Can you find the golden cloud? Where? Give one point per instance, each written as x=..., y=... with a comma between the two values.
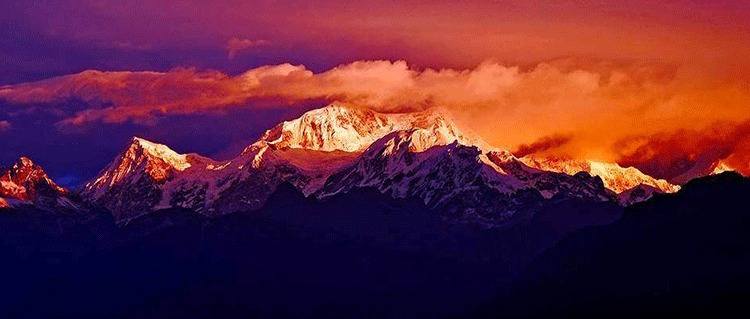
x=592, y=105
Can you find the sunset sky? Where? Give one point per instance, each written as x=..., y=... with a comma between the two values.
x=658, y=85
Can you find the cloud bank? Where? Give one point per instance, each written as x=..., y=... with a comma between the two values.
x=562, y=107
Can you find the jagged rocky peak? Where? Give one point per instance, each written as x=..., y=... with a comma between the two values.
x=341, y=127
x=132, y=184
x=615, y=177
x=141, y=156
x=27, y=181
x=142, y=147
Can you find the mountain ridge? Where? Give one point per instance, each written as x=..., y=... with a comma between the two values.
x=340, y=147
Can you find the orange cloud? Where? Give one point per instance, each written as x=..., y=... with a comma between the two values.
x=593, y=104
x=237, y=45
x=670, y=154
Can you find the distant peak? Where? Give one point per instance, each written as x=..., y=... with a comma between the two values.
x=25, y=180
x=614, y=176
x=24, y=162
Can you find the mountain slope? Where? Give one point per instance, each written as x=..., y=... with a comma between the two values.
x=245, y=182
x=433, y=166
x=461, y=181
x=552, y=184
x=131, y=185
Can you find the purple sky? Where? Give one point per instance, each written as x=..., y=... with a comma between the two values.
x=41, y=39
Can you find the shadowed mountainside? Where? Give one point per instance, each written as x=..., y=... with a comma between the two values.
x=680, y=254
x=360, y=254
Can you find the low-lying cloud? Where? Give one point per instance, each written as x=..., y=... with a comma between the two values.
x=670, y=154
x=561, y=107
x=543, y=144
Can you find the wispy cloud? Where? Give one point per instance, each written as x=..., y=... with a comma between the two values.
x=4, y=126
x=237, y=45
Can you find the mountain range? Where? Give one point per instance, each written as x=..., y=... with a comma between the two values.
x=349, y=213
x=333, y=150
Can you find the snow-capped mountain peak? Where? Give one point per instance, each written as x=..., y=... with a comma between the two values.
x=435, y=166
x=331, y=128
x=615, y=177
x=135, y=182
x=340, y=127
x=414, y=140
x=161, y=151
x=157, y=161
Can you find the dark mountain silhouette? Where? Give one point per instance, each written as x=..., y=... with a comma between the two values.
x=681, y=254
x=373, y=246
x=359, y=254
